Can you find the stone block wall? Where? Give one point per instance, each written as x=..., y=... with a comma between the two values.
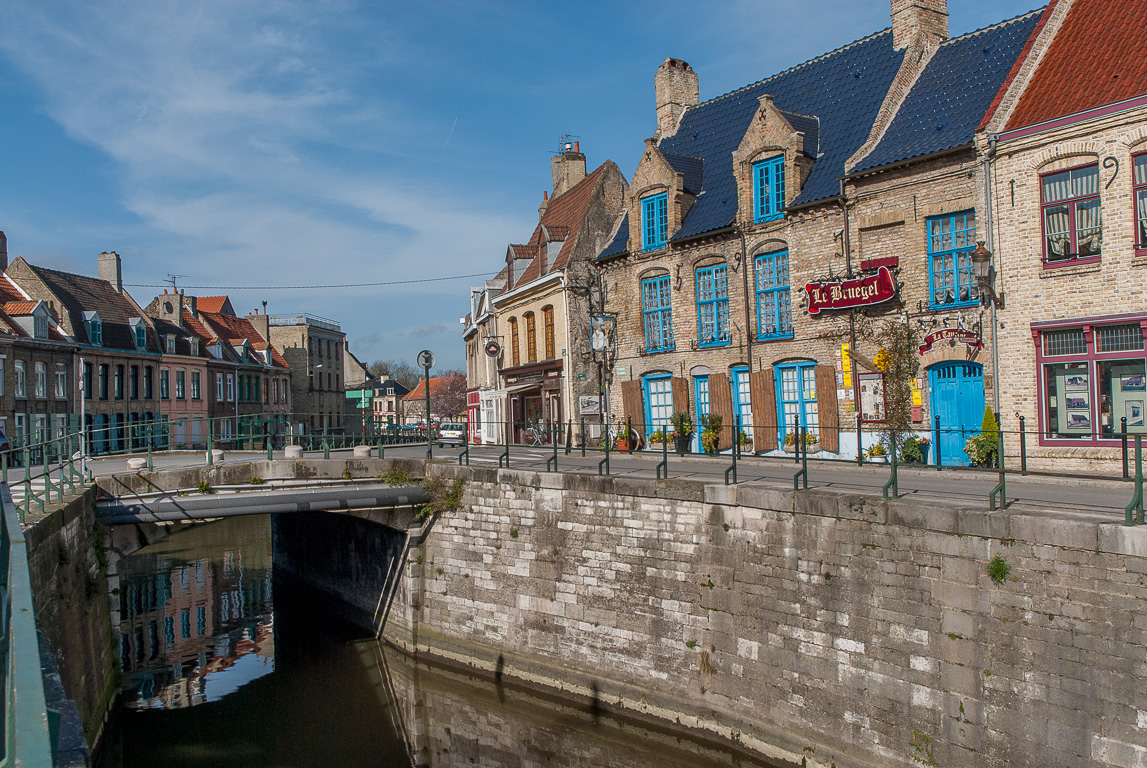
x=817, y=626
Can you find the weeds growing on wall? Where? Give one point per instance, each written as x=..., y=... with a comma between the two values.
x=444, y=497
x=203, y=487
x=395, y=475
x=999, y=569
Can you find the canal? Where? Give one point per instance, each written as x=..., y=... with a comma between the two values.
x=224, y=665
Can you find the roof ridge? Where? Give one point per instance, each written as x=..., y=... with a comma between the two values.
x=991, y=27
x=775, y=75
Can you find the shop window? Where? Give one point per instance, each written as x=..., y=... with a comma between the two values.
x=1140, y=193
x=774, y=304
x=769, y=189
x=1087, y=396
x=796, y=396
x=658, y=314
x=951, y=240
x=1072, y=227
x=654, y=221
x=712, y=306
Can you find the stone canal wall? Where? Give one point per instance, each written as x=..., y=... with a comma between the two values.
x=817, y=626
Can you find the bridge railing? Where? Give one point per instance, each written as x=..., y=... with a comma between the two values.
x=27, y=738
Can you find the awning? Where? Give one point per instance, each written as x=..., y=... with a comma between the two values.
x=521, y=387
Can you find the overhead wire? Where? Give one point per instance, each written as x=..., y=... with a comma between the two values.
x=305, y=287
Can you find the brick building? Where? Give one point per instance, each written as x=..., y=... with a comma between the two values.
x=1067, y=145
x=116, y=346
x=855, y=171
x=537, y=308
x=313, y=349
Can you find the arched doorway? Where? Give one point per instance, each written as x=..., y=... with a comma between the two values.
x=957, y=397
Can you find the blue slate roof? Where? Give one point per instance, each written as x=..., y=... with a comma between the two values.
x=810, y=127
x=952, y=94
x=620, y=242
x=690, y=167
x=843, y=89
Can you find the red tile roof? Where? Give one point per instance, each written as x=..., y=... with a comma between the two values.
x=1019, y=62
x=1098, y=57
x=18, y=308
x=8, y=292
x=419, y=392
x=214, y=304
x=236, y=330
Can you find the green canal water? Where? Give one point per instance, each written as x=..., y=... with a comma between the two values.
x=223, y=666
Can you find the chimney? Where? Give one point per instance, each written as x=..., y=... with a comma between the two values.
x=545, y=204
x=926, y=20
x=191, y=304
x=568, y=168
x=110, y=271
x=262, y=324
x=3, y=252
x=677, y=90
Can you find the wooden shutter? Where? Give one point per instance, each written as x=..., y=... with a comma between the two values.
x=680, y=394
x=721, y=403
x=632, y=404
x=764, y=396
x=828, y=414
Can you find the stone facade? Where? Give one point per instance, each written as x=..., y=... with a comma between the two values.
x=817, y=628
x=313, y=348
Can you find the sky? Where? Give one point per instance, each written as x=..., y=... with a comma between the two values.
x=254, y=145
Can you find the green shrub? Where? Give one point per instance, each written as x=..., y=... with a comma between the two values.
x=203, y=487
x=256, y=480
x=999, y=569
x=682, y=424
x=983, y=449
x=710, y=432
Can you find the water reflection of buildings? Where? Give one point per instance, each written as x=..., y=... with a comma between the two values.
x=183, y=620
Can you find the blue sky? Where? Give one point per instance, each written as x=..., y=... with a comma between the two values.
x=302, y=143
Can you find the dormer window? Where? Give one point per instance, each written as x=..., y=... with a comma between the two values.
x=217, y=350
x=169, y=343
x=193, y=344
x=40, y=327
x=769, y=189
x=654, y=221
x=94, y=327
x=138, y=332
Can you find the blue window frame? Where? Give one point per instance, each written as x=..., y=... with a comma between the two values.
x=796, y=396
x=701, y=397
x=658, y=402
x=769, y=188
x=774, y=305
x=951, y=240
x=655, y=305
x=712, y=306
x=742, y=399
x=654, y=221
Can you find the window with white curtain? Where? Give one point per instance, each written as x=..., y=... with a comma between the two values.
x=1072, y=224
x=1140, y=182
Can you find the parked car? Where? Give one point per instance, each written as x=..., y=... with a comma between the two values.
x=5, y=443
x=451, y=434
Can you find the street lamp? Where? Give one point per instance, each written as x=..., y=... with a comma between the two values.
x=982, y=269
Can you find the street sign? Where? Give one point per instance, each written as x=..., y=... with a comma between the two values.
x=493, y=348
x=426, y=359
x=579, y=377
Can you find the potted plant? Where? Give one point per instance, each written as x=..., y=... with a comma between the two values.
x=742, y=439
x=914, y=450
x=811, y=443
x=877, y=453
x=983, y=448
x=710, y=432
x=682, y=431
x=657, y=438
x=790, y=444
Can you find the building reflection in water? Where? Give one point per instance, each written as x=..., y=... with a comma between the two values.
x=196, y=619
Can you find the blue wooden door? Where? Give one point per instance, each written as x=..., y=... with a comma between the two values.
x=957, y=395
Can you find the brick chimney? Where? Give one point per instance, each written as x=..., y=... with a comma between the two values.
x=3, y=252
x=923, y=19
x=545, y=204
x=261, y=323
x=191, y=303
x=568, y=168
x=677, y=90
x=110, y=270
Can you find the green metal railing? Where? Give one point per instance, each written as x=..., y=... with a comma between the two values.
x=27, y=736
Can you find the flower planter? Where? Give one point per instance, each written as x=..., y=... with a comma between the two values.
x=790, y=447
x=681, y=443
x=814, y=448
x=877, y=459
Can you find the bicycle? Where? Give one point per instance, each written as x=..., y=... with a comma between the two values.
x=616, y=437
x=535, y=434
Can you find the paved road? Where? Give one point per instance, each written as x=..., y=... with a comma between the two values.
x=1077, y=496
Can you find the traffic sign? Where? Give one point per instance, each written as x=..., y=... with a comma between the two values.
x=426, y=359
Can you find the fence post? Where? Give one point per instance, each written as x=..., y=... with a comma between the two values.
x=893, y=480
x=736, y=427
x=465, y=442
x=1023, y=448
x=797, y=436
x=859, y=440
x=583, y=437
x=629, y=434
x=663, y=465
x=569, y=436
x=1123, y=440
x=1135, y=514
x=802, y=453
x=939, y=458
x=326, y=436
x=554, y=458
x=505, y=455
x=210, y=440
x=606, y=440
x=1001, y=487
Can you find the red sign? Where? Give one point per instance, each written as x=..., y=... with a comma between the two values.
x=846, y=294
x=953, y=334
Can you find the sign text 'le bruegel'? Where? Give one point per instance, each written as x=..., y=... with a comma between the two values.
x=855, y=292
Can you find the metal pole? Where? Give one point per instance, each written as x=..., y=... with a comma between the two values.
x=797, y=436
x=892, y=479
x=937, y=444
x=426, y=373
x=1135, y=512
x=1023, y=448
x=1123, y=439
x=326, y=436
x=663, y=465
x=505, y=455
x=210, y=441
x=859, y=441
x=583, y=437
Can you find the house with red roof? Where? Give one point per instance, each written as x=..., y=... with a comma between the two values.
x=1066, y=147
x=38, y=393
x=527, y=335
x=242, y=383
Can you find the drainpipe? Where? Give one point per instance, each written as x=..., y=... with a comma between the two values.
x=748, y=313
x=993, y=138
x=846, y=246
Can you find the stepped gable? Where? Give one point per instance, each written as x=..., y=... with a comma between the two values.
x=953, y=93
x=1073, y=77
x=843, y=89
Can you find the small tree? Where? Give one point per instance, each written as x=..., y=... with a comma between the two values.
x=899, y=361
